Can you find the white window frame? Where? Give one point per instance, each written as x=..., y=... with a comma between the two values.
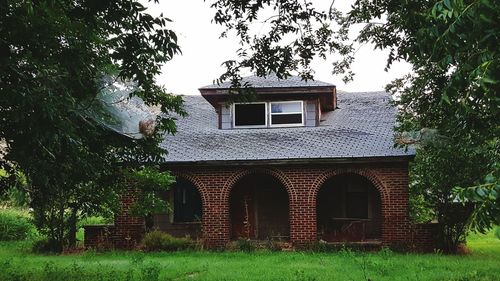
x=233, y=113
x=286, y=113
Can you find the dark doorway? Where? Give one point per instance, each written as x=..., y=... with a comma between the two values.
x=348, y=209
x=259, y=208
x=186, y=213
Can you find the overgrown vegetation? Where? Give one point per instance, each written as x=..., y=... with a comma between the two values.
x=160, y=241
x=245, y=245
x=17, y=263
x=15, y=225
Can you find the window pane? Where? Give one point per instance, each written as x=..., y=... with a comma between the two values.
x=249, y=114
x=284, y=107
x=187, y=202
x=286, y=119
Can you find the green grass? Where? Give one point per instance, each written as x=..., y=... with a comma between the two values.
x=17, y=263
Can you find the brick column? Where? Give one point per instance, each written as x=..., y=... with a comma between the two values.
x=302, y=213
x=396, y=224
x=129, y=229
x=216, y=224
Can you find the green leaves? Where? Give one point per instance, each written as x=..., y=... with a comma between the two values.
x=149, y=178
x=296, y=33
x=53, y=56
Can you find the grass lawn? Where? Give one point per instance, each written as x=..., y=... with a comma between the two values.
x=17, y=263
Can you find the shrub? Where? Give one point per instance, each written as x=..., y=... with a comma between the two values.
x=45, y=246
x=273, y=245
x=245, y=245
x=15, y=225
x=497, y=232
x=160, y=241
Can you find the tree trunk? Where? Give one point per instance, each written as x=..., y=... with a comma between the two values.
x=72, y=228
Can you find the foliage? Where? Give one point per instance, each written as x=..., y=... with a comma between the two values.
x=150, y=181
x=15, y=197
x=161, y=241
x=453, y=89
x=45, y=245
x=486, y=199
x=273, y=245
x=13, y=193
x=245, y=245
x=420, y=210
x=53, y=56
x=295, y=33
x=15, y=225
x=481, y=264
x=436, y=175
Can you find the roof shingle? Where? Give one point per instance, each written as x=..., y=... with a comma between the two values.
x=361, y=127
x=272, y=81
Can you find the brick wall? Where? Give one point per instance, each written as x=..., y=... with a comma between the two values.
x=125, y=233
x=423, y=237
x=302, y=183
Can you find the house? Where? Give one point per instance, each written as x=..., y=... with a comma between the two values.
x=300, y=164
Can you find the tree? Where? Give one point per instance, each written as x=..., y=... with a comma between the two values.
x=453, y=88
x=53, y=56
x=452, y=46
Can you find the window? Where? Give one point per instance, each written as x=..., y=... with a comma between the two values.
x=187, y=202
x=256, y=115
x=250, y=114
x=287, y=113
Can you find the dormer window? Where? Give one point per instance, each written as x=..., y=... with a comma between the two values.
x=287, y=113
x=291, y=102
x=250, y=115
x=268, y=114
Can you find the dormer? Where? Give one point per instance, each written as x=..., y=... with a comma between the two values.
x=290, y=102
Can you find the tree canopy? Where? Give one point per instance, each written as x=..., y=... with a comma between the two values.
x=54, y=55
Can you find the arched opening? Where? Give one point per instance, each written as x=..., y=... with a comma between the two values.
x=186, y=202
x=259, y=208
x=348, y=209
x=185, y=216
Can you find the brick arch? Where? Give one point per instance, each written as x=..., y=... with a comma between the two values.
x=370, y=176
x=197, y=184
x=276, y=174
x=280, y=176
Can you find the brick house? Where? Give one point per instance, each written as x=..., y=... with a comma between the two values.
x=301, y=164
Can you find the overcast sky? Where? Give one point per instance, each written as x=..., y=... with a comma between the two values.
x=203, y=52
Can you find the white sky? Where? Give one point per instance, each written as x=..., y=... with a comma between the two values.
x=203, y=52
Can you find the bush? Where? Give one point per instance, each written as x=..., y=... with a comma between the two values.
x=15, y=225
x=45, y=246
x=245, y=245
x=160, y=241
x=273, y=245
x=497, y=232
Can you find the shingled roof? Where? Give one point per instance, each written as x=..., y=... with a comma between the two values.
x=272, y=81
x=362, y=127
